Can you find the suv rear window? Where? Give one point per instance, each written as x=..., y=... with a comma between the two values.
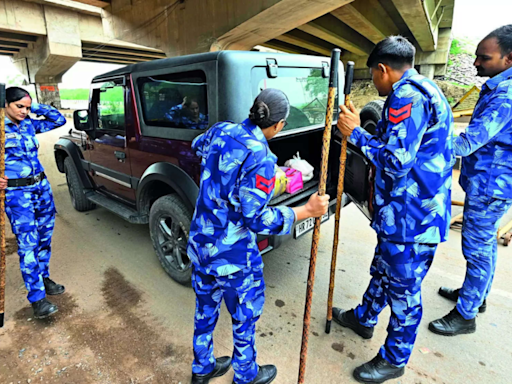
x=175, y=100
x=306, y=89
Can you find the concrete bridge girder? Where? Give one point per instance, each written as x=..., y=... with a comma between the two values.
x=46, y=37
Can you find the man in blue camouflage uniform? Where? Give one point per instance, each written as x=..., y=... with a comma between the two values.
x=486, y=177
x=237, y=182
x=413, y=155
x=29, y=199
x=187, y=115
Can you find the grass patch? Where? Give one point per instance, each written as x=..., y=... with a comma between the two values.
x=460, y=85
x=74, y=94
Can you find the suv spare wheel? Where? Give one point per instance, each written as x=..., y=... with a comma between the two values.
x=371, y=114
x=169, y=223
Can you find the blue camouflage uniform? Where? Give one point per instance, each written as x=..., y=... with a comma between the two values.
x=30, y=209
x=413, y=155
x=237, y=182
x=486, y=177
x=178, y=116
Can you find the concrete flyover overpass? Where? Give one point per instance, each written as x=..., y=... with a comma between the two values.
x=47, y=37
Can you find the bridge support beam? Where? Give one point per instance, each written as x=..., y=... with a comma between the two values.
x=51, y=56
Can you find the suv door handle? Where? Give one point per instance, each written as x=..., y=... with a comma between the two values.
x=120, y=155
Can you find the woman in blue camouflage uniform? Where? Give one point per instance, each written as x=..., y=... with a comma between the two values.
x=29, y=199
x=237, y=182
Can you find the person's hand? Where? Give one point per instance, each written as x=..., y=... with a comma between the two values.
x=184, y=101
x=317, y=205
x=348, y=120
x=3, y=183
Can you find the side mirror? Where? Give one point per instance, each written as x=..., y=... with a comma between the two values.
x=81, y=120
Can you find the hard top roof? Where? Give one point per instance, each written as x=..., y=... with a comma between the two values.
x=283, y=59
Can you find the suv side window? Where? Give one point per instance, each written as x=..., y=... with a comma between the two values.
x=110, y=107
x=177, y=100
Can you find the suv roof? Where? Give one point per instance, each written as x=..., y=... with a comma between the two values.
x=283, y=59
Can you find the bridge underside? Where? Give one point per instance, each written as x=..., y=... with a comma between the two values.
x=46, y=37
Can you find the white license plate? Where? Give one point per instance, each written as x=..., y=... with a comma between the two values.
x=307, y=225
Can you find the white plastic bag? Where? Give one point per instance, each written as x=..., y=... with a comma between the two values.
x=301, y=165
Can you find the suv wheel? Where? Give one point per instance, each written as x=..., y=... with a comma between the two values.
x=169, y=223
x=76, y=191
x=370, y=115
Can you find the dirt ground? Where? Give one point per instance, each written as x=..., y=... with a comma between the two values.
x=123, y=320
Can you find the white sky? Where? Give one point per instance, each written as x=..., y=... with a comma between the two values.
x=473, y=18
x=476, y=18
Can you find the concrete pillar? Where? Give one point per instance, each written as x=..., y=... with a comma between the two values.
x=50, y=57
x=48, y=94
x=428, y=70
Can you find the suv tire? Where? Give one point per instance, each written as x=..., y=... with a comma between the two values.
x=169, y=223
x=370, y=115
x=76, y=190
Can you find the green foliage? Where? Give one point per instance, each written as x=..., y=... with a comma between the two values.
x=462, y=46
x=456, y=48
x=316, y=85
x=15, y=80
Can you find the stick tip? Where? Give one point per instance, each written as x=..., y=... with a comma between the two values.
x=328, y=326
x=2, y=320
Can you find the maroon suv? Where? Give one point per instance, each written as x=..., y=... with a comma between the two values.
x=131, y=152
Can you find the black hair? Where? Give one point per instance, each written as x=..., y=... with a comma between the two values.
x=504, y=37
x=394, y=51
x=189, y=102
x=270, y=107
x=13, y=94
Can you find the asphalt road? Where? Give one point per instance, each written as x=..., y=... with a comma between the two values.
x=123, y=320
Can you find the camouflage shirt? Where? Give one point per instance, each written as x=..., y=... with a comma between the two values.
x=21, y=145
x=487, y=142
x=237, y=183
x=413, y=154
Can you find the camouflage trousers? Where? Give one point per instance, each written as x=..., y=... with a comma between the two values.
x=397, y=273
x=482, y=216
x=244, y=295
x=31, y=211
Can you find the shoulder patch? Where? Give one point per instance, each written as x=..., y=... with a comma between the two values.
x=398, y=115
x=265, y=185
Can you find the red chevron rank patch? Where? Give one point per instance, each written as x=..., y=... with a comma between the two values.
x=398, y=115
x=265, y=185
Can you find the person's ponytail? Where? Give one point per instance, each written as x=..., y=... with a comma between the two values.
x=270, y=107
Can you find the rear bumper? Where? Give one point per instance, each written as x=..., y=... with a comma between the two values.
x=273, y=242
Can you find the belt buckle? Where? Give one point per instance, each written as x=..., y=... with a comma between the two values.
x=37, y=178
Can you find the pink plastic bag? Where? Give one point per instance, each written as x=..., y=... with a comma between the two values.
x=295, y=182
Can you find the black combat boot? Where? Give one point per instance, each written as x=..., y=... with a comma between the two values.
x=453, y=295
x=43, y=308
x=377, y=370
x=52, y=288
x=222, y=365
x=452, y=324
x=266, y=374
x=348, y=319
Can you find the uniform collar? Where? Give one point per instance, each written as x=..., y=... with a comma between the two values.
x=409, y=73
x=496, y=80
x=255, y=130
x=7, y=121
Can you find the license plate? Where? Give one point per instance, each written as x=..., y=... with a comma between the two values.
x=307, y=225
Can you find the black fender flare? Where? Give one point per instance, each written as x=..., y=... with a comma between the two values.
x=74, y=152
x=174, y=177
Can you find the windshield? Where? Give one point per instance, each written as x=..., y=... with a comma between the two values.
x=306, y=89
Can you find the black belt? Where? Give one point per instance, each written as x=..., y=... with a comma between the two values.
x=26, y=182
